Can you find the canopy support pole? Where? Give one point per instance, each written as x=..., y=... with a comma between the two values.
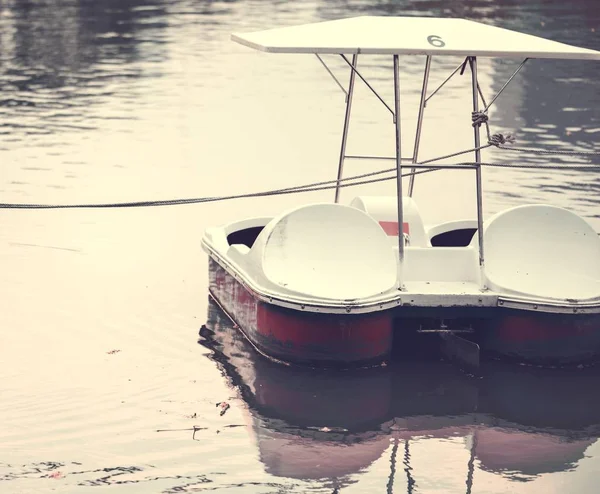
x=339, y=84
x=445, y=81
x=349, y=95
x=487, y=107
x=473, y=64
x=411, y=183
x=353, y=68
x=398, y=170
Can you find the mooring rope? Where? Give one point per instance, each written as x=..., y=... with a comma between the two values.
x=312, y=187
x=478, y=118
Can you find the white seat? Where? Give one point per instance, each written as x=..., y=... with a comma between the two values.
x=542, y=251
x=384, y=209
x=327, y=251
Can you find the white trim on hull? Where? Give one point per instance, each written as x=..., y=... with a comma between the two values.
x=461, y=292
x=533, y=305
x=404, y=298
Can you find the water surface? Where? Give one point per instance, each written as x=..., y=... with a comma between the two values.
x=105, y=100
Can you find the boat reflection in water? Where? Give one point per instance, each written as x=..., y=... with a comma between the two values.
x=516, y=421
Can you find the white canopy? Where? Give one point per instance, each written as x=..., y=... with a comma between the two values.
x=409, y=35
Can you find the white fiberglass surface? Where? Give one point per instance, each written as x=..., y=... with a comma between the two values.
x=542, y=251
x=329, y=251
x=409, y=35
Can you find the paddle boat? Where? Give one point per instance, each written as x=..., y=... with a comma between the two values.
x=331, y=284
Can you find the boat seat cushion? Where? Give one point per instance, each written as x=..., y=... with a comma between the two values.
x=542, y=251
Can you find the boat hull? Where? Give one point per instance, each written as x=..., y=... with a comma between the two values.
x=359, y=340
x=541, y=338
x=308, y=338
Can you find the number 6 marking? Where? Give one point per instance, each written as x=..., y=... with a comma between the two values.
x=436, y=41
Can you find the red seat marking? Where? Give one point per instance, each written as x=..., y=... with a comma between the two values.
x=391, y=228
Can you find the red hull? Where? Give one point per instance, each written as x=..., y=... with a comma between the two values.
x=551, y=339
x=349, y=340
x=303, y=337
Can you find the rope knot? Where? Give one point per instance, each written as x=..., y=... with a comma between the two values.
x=478, y=118
x=499, y=139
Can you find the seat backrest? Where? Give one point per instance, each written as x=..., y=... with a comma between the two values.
x=384, y=209
x=543, y=251
x=326, y=250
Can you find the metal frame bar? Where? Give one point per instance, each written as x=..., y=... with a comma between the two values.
x=349, y=95
x=411, y=182
x=487, y=107
x=481, y=94
x=476, y=135
x=444, y=83
x=476, y=94
x=398, y=169
x=367, y=157
x=332, y=75
x=354, y=70
x=446, y=166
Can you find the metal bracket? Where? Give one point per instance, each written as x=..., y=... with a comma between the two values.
x=332, y=75
x=487, y=107
x=461, y=65
x=353, y=68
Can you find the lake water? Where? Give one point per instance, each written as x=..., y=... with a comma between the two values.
x=106, y=383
